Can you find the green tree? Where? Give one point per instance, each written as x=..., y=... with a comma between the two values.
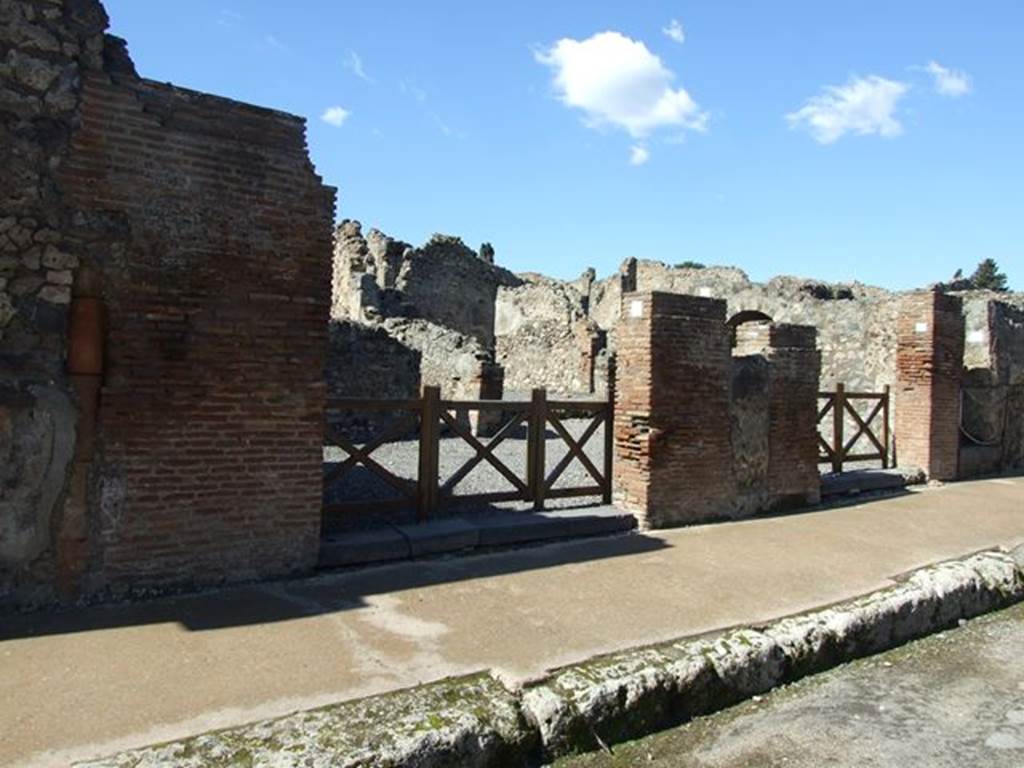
x=988, y=277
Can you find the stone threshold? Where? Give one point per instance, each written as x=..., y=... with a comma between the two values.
x=869, y=481
x=459, y=534
x=476, y=720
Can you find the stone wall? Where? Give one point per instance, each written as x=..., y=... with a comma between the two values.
x=545, y=339
x=442, y=282
x=992, y=421
x=557, y=334
x=45, y=48
x=438, y=301
x=856, y=323
x=199, y=229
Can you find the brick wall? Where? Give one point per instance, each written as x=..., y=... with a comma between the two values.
x=212, y=238
x=672, y=432
x=700, y=435
x=929, y=364
x=774, y=413
x=795, y=367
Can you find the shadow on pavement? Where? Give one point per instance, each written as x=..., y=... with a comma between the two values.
x=285, y=600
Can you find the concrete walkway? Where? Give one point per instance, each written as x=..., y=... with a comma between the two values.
x=90, y=682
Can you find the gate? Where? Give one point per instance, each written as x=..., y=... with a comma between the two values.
x=428, y=416
x=842, y=405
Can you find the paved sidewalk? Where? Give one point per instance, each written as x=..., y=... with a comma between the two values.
x=90, y=682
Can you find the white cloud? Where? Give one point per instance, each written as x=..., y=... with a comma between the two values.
x=335, y=116
x=228, y=17
x=409, y=87
x=674, y=31
x=354, y=64
x=949, y=82
x=638, y=154
x=617, y=81
x=446, y=129
x=865, y=105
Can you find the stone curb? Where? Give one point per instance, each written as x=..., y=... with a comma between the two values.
x=470, y=721
x=633, y=693
x=475, y=721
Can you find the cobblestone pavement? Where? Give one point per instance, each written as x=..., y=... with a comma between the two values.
x=953, y=699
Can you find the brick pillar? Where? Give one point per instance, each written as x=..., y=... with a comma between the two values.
x=673, y=454
x=929, y=364
x=795, y=367
x=490, y=386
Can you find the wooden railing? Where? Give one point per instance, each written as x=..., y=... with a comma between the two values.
x=842, y=405
x=428, y=416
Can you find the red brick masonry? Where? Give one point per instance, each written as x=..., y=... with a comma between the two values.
x=929, y=364
x=213, y=240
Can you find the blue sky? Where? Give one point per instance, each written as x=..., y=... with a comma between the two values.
x=878, y=141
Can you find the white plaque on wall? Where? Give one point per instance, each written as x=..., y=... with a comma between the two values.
x=920, y=327
x=636, y=309
x=704, y=291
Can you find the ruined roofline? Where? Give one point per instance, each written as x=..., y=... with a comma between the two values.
x=214, y=100
x=119, y=66
x=857, y=288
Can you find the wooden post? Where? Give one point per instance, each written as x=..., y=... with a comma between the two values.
x=609, y=433
x=838, y=420
x=430, y=448
x=538, y=420
x=885, y=429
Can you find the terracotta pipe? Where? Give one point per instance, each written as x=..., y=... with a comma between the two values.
x=85, y=337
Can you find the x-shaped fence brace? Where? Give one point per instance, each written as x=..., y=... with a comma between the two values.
x=575, y=449
x=840, y=404
x=357, y=455
x=430, y=413
x=484, y=453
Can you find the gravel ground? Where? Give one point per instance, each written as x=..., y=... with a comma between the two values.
x=402, y=458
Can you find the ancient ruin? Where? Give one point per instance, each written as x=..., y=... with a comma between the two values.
x=163, y=297
x=561, y=334
x=176, y=320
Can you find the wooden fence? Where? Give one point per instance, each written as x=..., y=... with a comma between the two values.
x=842, y=405
x=424, y=419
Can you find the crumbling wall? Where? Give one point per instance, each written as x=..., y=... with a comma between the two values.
x=750, y=424
x=45, y=49
x=217, y=300
x=775, y=373
x=545, y=339
x=856, y=323
x=992, y=405
x=198, y=228
x=447, y=283
x=438, y=301
x=443, y=282
x=369, y=362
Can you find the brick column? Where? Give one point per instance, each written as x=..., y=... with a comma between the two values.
x=673, y=454
x=489, y=386
x=795, y=367
x=929, y=364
